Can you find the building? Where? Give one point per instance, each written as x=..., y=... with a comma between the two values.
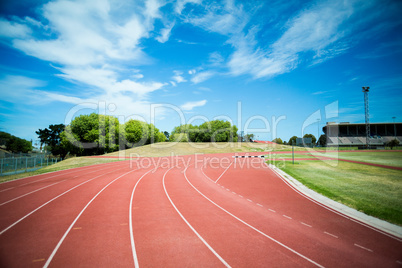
x=347, y=134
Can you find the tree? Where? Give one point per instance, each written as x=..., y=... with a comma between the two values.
x=249, y=137
x=277, y=140
x=393, y=143
x=217, y=131
x=322, y=141
x=15, y=144
x=313, y=138
x=136, y=133
x=92, y=134
x=51, y=137
x=161, y=137
x=211, y=131
x=166, y=135
x=292, y=140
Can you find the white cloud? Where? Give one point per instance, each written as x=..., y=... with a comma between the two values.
x=93, y=44
x=215, y=58
x=107, y=80
x=202, y=76
x=84, y=32
x=188, y=106
x=165, y=33
x=24, y=89
x=178, y=78
x=180, y=4
x=11, y=29
x=224, y=19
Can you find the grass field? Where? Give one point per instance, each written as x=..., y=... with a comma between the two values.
x=389, y=158
x=169, y=148
x=372, y=190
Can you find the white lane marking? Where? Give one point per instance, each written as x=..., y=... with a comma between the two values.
x=287, y=217
x=252, y=227
x=249, y=200
x=233, y=193
x=359, y=246
x=305, y=224
x=259, y=205
x=65, y=173
x=271, y=210
x=227, y=189
x=6, y=189
x=206, y=174
x=223, y=172
x=188, y=224
x=399, y=262
x=76, y=219
x=30, y=193
x=331, y=234
x=51, y=200
x=135, y=258
x=241, y=196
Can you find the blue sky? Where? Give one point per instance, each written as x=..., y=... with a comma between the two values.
x=273, y=68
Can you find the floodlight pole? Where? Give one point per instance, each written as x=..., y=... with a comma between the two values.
x=318, y=130
x=367, y=116
x=394, y=127
x=293, y=152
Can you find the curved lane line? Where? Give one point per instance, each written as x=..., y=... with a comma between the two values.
x=255, y=229
x=223, y=172
x=135, y=258
x=189, y=225
x=51, y=200
x=205, y=174
x=76, y=219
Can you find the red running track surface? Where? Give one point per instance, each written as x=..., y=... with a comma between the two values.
x=203, y=210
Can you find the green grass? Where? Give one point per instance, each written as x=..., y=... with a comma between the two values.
x=383, y=158
x=373, y=190
x=289, y=155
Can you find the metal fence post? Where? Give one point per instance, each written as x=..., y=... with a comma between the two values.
x=26, y=163
x=16, y=164
x=2, y=162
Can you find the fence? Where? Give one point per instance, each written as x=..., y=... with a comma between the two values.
x=14, y=165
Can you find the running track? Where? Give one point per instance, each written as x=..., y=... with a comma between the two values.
x=203, y=211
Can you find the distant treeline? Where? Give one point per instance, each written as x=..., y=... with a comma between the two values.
x=211, y=131
x=96, y=134
x=15, y=144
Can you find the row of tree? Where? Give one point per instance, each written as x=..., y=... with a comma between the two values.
x=15, y=144
x=96, y=134
x=211, y=131
x=322, y=141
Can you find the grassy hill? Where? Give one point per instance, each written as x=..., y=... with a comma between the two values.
x=184, y=148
